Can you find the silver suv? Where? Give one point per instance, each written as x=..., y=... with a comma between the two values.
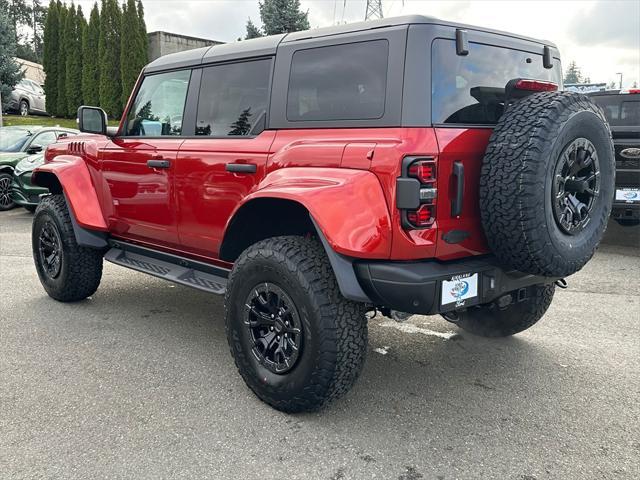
x=27, y=97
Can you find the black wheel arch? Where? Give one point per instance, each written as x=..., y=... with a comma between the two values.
x=265, y=218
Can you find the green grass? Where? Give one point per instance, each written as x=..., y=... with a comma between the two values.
x=16, y=120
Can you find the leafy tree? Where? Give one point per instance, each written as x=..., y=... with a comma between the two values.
x=573, y=74
x=90, y=62
x=50, y=57
x=61, y=97
x=109, y=54
x=10, y=73
x=73, y=46
x=252, y=31
x=282, y=16
x=18, y=13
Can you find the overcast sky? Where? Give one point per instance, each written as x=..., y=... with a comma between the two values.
x=602, y=36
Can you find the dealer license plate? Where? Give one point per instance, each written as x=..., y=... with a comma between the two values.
x=459, y=289
x=629, y=195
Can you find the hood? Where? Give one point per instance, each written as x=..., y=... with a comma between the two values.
x=11, y=158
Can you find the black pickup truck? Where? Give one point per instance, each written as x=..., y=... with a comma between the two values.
x=622, y=109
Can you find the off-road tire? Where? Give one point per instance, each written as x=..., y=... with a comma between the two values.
x=516, y=183
x=490, y=320
x=334, y=329
x=80, y=267
x=5, y=185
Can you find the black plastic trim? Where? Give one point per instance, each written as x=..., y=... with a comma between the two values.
x=85, y=237
x=241, y=167
x=458, y=175
x=414, y=287
x=462, y=42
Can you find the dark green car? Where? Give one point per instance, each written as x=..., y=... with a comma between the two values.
x=17, y=143
x=22, y=192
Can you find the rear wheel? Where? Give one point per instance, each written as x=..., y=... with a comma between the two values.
x=67, y=271
x=24, y=108
x=508, y=315
x=628, y=222
x=5, y=197
x=297, y=343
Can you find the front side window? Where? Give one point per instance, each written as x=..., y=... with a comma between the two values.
x=43, y=139
x=233, y=99
x=340, y=82
x=159, y=104
x=469, y=89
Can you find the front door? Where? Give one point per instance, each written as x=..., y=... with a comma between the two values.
x=227, y=159
x=139, y=165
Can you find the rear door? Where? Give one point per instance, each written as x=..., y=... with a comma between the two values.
x=226, y=158
x=139, y=165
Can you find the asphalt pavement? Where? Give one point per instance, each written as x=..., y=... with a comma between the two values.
x=137, y=382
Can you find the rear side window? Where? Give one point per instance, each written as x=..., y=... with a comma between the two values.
x=620, y=110
x=233, y=99
x=470, y=89
x=159, y=104
x=339, y=82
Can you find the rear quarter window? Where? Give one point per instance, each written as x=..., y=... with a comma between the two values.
x=470, y=89
x=338, y=82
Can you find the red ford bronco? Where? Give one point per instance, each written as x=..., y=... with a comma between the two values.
x=409, y=164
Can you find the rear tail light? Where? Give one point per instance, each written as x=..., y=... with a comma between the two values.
x=536, y=85
x=416, y=192
x=423, y=170
x=631, y=90
x=423, y=217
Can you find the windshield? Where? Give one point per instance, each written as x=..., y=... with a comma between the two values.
x=12, y=139
x=620, y=110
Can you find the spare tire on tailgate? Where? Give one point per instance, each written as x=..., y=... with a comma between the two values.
x=547, y=182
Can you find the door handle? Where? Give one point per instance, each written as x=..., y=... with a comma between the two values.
x=458, y=175
x=158, y=163
x=241, y=167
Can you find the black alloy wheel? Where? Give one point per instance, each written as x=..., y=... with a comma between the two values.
x=50, y=249
x=274, y=327
x=576, y=186
x=5, y=198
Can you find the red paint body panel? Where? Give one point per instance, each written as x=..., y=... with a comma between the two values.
x=73, y=174
x=139, y=201
x=346, y=178
x=207, y=194
x=466, y=146
x=348, y=205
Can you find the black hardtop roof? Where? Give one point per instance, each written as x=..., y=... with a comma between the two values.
x=264, y=46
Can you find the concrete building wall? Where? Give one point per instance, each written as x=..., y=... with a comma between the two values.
x=164, y=43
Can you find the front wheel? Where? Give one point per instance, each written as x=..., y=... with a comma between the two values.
x=67, y=271
x=297, y=343
x=510, y=314
x=628, y=222
x=24, y=108
x=5, y=197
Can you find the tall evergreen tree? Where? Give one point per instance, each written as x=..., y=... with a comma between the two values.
x=282, y=16
x=129, y=48
x=252, y=31
x=573, y=74
x=142, y=37
x=50, y=57
x=73, y=47
x=61, y=97
x=109, y=54
x=10, y=73
x=90, y=61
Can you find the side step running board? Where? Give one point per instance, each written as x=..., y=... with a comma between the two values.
x=176, y=269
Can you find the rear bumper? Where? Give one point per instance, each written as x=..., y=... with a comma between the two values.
x=416, y=287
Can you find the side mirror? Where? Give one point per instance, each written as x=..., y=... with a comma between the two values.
x=92, y=120
x=34, y=149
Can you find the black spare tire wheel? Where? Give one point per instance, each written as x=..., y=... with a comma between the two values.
x=547, y=182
